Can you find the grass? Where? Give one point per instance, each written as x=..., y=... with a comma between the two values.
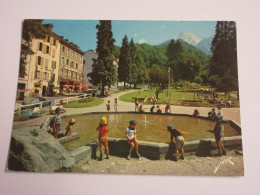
x=177, y=98
x=87, y=102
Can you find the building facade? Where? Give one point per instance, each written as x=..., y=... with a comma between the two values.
x=70, y=67
x=42, y=68
x=87, y=65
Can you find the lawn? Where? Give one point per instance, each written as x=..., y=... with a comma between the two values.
x=177, y=98
x=87, y=102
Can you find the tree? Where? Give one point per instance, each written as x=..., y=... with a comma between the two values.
x=224, y=55
x=104, y=70
x=124, y=61
x=158, y=79
x=31, y=29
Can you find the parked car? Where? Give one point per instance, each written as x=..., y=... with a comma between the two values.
x=92, y=92
x=44, y=101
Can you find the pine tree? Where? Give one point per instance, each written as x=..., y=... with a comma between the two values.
x=224, y=56
x=31, y=29
x=124, y=62
x=133, y=74
x=104, y=70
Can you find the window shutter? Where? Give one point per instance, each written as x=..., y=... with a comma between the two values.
x=42, y=61
x=38, y=46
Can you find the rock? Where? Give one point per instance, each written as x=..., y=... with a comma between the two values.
x=37, y=151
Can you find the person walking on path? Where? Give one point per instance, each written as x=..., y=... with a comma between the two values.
x=115, y=104
x=131, y=136
x=136, y=104
x=102, y=137
x=179, y=141
x=108, y=105
x=218, y=130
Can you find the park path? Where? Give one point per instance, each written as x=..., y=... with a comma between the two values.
x=229, y=113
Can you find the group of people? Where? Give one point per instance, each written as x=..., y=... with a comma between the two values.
x=131, y=135
x=115, y=105
x=55, y=124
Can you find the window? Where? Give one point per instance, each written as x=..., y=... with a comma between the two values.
x=48, y=39
x=63, y=49
x=72, y=65
x=62, y=60
x=84, y=61
x=45, y=76
x=67, y=62
x=77, y=65
x=53, y=53
x=54, y=41
x=46, y=63
x=37, y=74
x=48, y=50
x=72, y=54
x=40, y=46
x=39, y=60
x=53, y=65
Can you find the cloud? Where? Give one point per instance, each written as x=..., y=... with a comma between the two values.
x=142, y=41
x=163, y=26
x=135, y=35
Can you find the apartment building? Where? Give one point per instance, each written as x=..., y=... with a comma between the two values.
x=87, y=65
x=42, y=68
x=70, y=67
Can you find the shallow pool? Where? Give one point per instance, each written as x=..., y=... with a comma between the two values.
x=152, y=128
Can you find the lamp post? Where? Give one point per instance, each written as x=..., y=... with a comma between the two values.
x=169, y=85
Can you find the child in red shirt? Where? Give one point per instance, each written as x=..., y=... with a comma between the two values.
x=102, y=137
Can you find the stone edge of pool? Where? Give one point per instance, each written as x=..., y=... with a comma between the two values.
x=150, y=150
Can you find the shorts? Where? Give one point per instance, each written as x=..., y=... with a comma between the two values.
x=218, y=137
x=179, y=142
x=57, y=127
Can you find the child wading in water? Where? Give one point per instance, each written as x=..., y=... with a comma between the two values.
x=217, y=132
x=108, y=105
x=69, y=127
x=131, y=135
x=179, y=141
x=102, y=137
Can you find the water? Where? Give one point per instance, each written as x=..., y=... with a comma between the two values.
x=152, y=128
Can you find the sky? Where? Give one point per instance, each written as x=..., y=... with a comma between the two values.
x=83, y=32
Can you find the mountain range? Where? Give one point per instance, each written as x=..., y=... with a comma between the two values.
x=203, y=44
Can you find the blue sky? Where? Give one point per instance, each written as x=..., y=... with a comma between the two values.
x=83, y=32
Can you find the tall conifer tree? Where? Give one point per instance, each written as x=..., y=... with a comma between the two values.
x=124, y=62
x=104, y=70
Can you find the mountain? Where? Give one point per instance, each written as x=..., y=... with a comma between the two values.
x=205, y=45
x=190, y=38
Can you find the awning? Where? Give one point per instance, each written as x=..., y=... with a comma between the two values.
x=37, y=88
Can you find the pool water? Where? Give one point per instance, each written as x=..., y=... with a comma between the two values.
x=152, y=128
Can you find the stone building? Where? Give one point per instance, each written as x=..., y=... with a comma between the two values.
x=87, y=64
x=41, y=69
x=70, y=66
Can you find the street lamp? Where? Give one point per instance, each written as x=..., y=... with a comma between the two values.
x=169, y=85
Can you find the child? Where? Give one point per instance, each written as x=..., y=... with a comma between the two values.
x=168, y=109
x=217, y=132
x=141, y=108
x=159, y=110
x=57, y=122
x=115, y=104
x=196, y=113
x=102, y=137
x=108, y=105
x=220, y=113
x=152, y=109
x=69, y=127
x=179, y=141
x=131, y=135
x=212, y=114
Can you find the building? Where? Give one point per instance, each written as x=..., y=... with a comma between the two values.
x=70, y=66
x=42, y=68
x=87, y=65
